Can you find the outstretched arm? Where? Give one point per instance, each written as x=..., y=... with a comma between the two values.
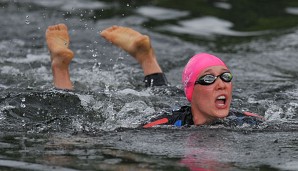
x=138, y=46
x=58, y=42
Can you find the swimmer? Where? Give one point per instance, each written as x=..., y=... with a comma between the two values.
x=206, y=79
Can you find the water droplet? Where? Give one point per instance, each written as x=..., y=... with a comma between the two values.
x=23, y=105
x=96, y=65
x=127, y=5
x=27, y=19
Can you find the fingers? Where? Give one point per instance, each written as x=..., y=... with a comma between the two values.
x=54, y=29
x=57, y=27
x=108, y=30
x=62, y=27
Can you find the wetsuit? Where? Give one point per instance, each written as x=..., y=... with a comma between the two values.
x=183, y=116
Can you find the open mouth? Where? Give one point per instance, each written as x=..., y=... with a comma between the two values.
x=220, y=100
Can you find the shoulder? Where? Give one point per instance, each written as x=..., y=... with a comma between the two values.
x=182, y=116
x=182, y=109
x=178, y=117
x=238, y=118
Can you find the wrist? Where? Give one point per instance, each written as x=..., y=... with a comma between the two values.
x=61, y=77
x=151, y=66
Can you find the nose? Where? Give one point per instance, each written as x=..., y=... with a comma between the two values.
x=220, y=84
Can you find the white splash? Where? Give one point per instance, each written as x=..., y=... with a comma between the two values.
x=161, y=13
x=70, y=5
x=273, y=113
x=207, y=26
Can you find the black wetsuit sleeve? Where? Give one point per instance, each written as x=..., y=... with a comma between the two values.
x=179, y=117
x=156, y=79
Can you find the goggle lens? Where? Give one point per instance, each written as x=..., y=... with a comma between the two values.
x=210, y=79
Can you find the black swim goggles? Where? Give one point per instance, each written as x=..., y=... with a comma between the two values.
x=210, y=79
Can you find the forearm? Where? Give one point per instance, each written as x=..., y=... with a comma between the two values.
x=153, y=73
x=62, y=78
x=150, y=66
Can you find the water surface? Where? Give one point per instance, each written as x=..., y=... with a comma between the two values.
x=95, y=126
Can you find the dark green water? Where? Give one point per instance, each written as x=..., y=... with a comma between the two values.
x=94, y=127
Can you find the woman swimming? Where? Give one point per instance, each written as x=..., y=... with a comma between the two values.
x=206, y=78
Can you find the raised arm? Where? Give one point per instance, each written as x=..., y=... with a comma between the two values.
x=138, y=46
x=58, y=42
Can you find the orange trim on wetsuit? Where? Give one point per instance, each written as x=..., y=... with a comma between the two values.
x=157, y=122
x=253, y=115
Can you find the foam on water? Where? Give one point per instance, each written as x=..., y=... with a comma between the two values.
x=71, y=5
x=3, y=86
x=134, y=92
x=161, y=13
x=206, y=26
x=131, y=115
x=292, y=10
x=291, y=166
x=31, y=166
x=10, y=70
x=274, y=113
x=223, y=5
x=41, y=58
x=11, y=44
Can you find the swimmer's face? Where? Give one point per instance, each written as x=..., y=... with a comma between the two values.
x=211, y=101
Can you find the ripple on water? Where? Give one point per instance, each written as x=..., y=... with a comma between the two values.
x=71, y=5
x=206, y=26
x=159, y=13
x=31, y=166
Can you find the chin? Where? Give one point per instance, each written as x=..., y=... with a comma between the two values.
x=222, y=113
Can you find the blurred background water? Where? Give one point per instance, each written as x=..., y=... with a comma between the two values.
x=95, y=126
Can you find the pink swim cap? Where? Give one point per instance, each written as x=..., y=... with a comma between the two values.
x=194, y=67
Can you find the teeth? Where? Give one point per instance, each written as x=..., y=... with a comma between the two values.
x=221, y=98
